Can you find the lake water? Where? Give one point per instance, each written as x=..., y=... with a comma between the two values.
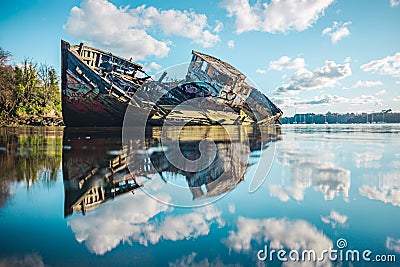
x=86, y=197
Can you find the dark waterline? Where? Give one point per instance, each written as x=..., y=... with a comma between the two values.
x=66, y=195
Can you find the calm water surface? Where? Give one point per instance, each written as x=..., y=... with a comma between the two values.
x=81, y=197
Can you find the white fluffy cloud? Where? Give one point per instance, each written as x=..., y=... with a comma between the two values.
x=282, y=63
x=367, y=84
x=325, y=76
x=285, y=62
x=152, y=66
x=126, y=31
x=389, y=65
x=181, y=23
x=338, y=31
x=102, y=23
x=394, y=3
x=276, y=16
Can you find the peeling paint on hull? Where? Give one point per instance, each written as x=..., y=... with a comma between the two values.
x=86, y=106
x=98, y=87
x=86, y=98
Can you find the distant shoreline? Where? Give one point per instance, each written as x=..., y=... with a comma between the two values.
x=386, y=116
x=332, y=124
x=33, y=120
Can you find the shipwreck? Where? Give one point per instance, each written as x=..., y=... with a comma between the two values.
x=98, y=87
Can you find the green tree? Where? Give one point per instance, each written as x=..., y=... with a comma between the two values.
x=48, y=79
x=28, y=91
x=7, y=84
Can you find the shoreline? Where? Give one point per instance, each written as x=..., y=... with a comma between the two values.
x=33, y=120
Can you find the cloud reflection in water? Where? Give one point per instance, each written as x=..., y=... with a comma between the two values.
x=132, y=219
x=252, y=234
x=309, y=166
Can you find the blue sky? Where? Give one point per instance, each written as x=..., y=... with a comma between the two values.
x=307, y=56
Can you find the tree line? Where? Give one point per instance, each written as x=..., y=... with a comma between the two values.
x=386, y=116
x=27, y=90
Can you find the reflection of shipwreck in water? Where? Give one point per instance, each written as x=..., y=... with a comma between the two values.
x=98, y=167
x=210, y=175
x=92, y=171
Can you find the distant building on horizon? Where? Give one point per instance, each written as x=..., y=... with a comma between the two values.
x=385, y=116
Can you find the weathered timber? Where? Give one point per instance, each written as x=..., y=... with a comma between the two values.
x=98, y=88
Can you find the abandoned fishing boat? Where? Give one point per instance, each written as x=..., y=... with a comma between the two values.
x=98, y=88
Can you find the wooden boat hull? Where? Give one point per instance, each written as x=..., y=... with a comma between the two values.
x=97, y=94
x=86, y=100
